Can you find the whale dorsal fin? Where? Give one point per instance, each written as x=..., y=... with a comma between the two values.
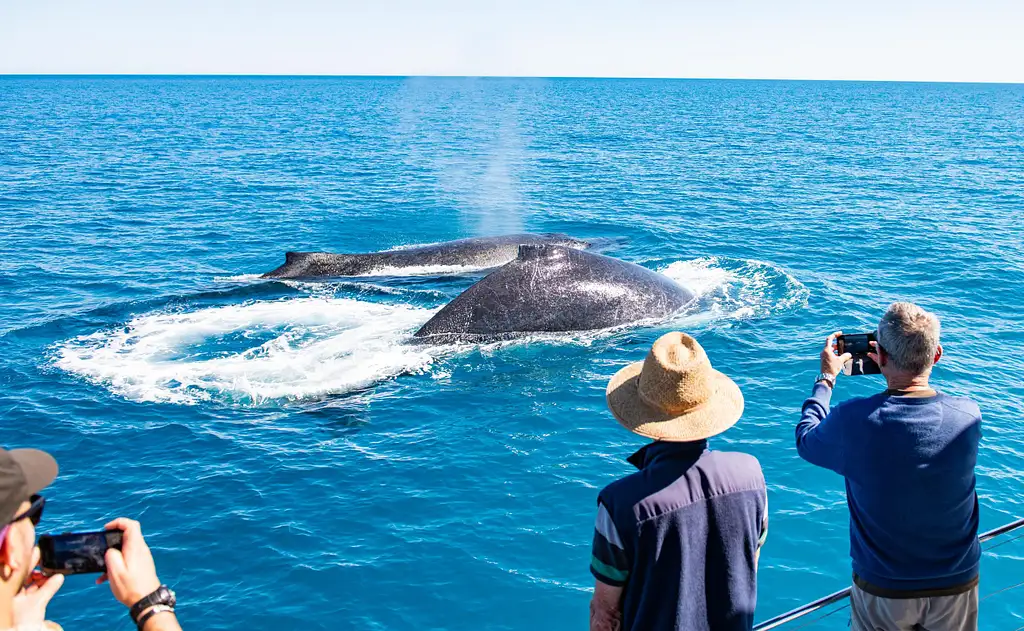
x=291, y=257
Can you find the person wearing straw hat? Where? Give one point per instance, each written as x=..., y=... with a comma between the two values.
x=676, y=543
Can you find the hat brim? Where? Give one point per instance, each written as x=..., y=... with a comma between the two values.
x=38, y=467
x=718, y=414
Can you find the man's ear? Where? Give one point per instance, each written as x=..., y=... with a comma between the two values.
x=938, y=354
x=6, y=571
x=12, y=552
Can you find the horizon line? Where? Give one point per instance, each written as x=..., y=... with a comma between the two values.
x=213, y=75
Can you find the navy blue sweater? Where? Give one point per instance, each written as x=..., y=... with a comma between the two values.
x=909, y=469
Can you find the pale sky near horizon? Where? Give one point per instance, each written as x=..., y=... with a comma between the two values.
x=904, y=40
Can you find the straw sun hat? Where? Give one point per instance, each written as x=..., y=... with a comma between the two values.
x=674, y=394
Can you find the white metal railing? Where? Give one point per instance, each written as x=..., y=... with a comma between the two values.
x=833, y=598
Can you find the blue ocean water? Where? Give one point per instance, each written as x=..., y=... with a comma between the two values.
x=297, y=464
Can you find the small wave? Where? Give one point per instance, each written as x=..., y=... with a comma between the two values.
x=734, y=289
x=292, y=349
x=363, y=287
x=240, y=278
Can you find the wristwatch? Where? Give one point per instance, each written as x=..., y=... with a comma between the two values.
x=161, y=600
x=827, y=378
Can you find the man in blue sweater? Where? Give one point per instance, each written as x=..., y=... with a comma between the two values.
x=908, y=456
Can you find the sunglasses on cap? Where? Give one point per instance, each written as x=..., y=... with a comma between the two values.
x=34, y=512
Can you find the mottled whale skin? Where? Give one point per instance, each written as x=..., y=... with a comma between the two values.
x=554, y=288
x=479, y=252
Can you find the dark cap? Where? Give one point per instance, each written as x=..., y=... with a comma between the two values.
x=23, y=473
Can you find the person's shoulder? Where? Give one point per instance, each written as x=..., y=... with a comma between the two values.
x=625, y=490
x=737, y=459
x=961, y=405
x=738, y=466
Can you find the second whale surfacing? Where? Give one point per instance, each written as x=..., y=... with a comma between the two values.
x=475, y=253
x=557, y=289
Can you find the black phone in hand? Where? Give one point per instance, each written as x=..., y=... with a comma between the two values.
x=77, y=552
x=858, y=345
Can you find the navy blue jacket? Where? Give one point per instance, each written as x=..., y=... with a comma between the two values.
x=681, y=536
x=909, y=469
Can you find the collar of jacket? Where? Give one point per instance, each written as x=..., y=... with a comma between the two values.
x=659, y=450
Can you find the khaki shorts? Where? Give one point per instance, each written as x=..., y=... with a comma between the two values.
x=939, y=613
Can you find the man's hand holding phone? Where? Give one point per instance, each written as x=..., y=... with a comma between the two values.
x=30, y=603
x=130, y=570
x=131, y=573
x=831, y=361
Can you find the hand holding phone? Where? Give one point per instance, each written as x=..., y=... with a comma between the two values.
x=858, y=346
x=29, y=605
x=130, y=567
x=831, y=361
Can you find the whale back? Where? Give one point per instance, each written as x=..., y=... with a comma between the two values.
x=317, y=264
x=554, y=288
x=476, y=252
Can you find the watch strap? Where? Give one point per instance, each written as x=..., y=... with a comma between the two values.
x=141, y=622
x=160, y=596
x=827, y=378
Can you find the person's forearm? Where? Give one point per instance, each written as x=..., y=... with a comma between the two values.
x=819, y=432
x=814, y=411
x=604, y=619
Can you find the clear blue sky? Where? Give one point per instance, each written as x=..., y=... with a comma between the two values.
x=940, y=40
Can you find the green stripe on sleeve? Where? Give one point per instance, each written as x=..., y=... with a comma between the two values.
x=608, y=571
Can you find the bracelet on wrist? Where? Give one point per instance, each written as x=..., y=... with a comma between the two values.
x=161, y=597
x=827, y=379
x=157, y=609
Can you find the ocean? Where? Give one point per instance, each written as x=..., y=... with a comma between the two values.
x=296, y=463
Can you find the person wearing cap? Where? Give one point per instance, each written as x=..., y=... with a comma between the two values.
x=25, y=593
x=23, y=474
x=676, y=543
x=908, y=456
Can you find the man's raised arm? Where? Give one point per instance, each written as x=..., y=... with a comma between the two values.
x=819, y=432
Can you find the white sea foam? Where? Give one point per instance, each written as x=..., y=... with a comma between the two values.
x=301, y=348
x=332, y=288
x=321, y=344
x=240, y=278
x=700, y=275
x=730, y=289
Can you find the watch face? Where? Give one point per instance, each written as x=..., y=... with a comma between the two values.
x=164, y=596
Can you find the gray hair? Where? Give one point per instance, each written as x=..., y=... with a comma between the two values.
x=910, y=337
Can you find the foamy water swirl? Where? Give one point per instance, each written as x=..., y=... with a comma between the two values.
x=324, y=344
x=302, y=348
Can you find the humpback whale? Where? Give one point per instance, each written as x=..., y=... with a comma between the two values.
x=480, y=252
x=554, y=288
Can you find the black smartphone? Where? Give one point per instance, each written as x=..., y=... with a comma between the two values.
x=77, y=552
x=859, y=346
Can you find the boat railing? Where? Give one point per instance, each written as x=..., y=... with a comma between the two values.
x=843, y=594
